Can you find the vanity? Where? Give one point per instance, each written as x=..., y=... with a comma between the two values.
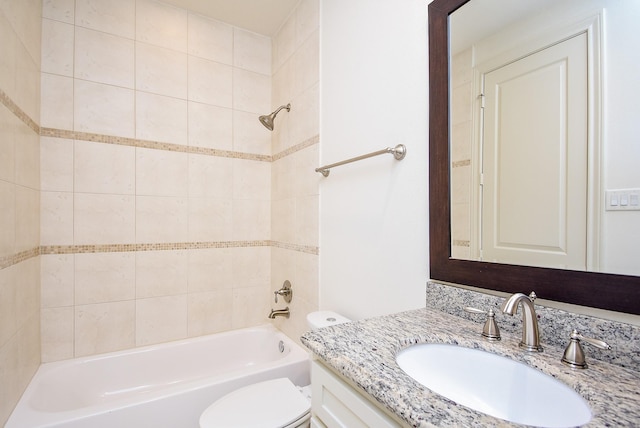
x=355, y=374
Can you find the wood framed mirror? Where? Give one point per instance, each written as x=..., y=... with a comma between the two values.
x=613, y=292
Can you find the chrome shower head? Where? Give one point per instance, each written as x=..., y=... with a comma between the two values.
x=267, y=120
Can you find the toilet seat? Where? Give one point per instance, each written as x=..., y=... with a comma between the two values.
x=274, y=403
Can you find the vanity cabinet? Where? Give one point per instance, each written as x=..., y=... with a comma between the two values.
x=336, y=404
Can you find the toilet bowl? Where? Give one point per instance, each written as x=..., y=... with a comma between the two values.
x=276, y=403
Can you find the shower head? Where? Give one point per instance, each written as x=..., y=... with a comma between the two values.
x=267, y=120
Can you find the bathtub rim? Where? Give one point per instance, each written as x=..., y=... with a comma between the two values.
x=24, y=413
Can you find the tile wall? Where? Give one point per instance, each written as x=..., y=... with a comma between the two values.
x=294, y=209
x=461, y=153
x=159, y=185
x=19, y=198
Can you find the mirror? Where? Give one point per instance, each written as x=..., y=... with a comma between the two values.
x=615, y=292
x=523, y=192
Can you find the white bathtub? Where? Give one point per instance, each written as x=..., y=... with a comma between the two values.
x=167, y=385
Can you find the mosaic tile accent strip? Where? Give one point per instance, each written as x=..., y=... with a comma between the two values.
x=18, y=112
x=149, y=144
x=309, y=249
x=14, y=259
x=296, y=148
x=457, y=164
x=20, y=257
x=123, y=248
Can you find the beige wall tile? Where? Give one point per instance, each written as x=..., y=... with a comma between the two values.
x=284, y=43
x=210, y=39
x=306, y=64
x=8, y=124
x=104, y=58
x=161, y=319
x=103, y=109
x=115, y=17
x=210, y=176
x=210, y=269
x=26, y=19
x=210, y=82
x=57, y=279
x=251, y=179
x=104, y=168
x=7, y=218
x=57, y=47
x=250, y=306
x=307, y=19
x=56, y=164
x=160, y=118
x=162, y=25
x=27, y=157
x=27, y=218
x=161, y=219
x=103, y=219
x=27, y=277
x=251, y=51
x=57, y=102
x=56, y=218
x=283, y=212
x=57, y=333
x=27, y=89
x=307, y=221
x=251, y=267
x=161, y=173
x=8, y=304
x=210, y=219
x=251, y=92
x=104, y=277
x=211, y=126
x=104, y=327
x=8, y=43
x=161, y=71
x=251, y=219
x=209, y=312
x=161, y=273
x=249, y=136
x=305, y=119
x=60, y=10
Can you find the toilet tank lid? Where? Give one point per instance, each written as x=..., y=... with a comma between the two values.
x=321, y=319
x=274, y=403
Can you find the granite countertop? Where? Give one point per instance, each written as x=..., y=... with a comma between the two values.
x=364, y=353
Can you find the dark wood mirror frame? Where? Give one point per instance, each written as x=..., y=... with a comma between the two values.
x=619, y=293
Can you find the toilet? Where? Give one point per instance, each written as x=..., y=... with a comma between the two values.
x=276, y=403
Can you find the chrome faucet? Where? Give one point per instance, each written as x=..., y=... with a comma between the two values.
x=530, y=334
x=279, y=313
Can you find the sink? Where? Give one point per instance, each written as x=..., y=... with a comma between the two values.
x=495, y=385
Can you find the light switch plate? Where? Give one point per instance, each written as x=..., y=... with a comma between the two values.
x=623, y=200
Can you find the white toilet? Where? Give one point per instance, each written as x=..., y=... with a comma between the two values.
x=276, y=403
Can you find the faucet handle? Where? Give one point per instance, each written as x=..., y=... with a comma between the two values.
x=285, y=292
x=490, y=331
x=574, y=355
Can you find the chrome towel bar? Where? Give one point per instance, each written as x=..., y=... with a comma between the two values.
x=398, y=152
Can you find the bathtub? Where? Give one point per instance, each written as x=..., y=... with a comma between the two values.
x=160, y=386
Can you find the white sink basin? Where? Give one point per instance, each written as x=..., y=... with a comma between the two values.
x=495, y=385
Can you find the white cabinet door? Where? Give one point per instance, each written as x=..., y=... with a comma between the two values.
x=338, y=405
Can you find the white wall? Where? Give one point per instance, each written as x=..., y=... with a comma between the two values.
x=373, y=213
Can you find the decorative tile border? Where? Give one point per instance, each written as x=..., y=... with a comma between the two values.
x=458, y=164
x=461, y=243
x=18, y=112
x=14, y=259
x=291, y=150
x=157, y=145
x=309, y=249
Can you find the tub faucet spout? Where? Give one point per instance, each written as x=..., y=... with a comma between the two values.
x=530, y=334
x=279, y=313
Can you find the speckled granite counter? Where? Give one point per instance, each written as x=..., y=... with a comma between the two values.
x=364, y=353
